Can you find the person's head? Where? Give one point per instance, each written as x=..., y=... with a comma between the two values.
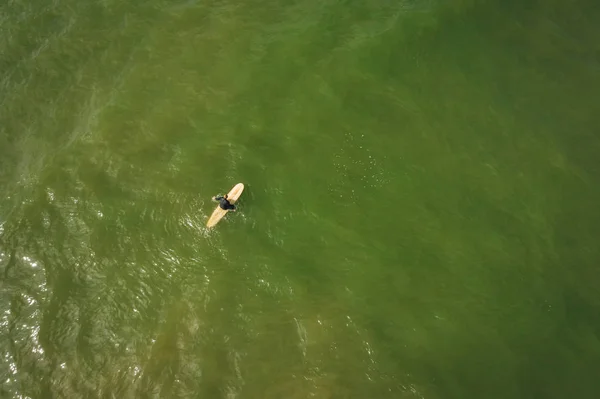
x=225, y=196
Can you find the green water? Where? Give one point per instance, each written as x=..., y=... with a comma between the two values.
x=420, y=218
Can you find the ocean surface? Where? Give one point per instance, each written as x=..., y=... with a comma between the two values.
x=421, y=216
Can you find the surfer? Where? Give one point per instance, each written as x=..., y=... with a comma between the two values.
x=224, y=203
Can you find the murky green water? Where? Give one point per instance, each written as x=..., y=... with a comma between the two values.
x=421, y=215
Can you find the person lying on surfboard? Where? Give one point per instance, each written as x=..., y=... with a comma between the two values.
x=224, y=203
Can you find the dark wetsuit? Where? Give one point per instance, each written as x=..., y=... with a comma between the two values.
x=224, y=203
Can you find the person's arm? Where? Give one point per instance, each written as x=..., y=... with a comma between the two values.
x=217, y=198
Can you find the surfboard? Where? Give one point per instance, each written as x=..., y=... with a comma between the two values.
x=232, y=196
